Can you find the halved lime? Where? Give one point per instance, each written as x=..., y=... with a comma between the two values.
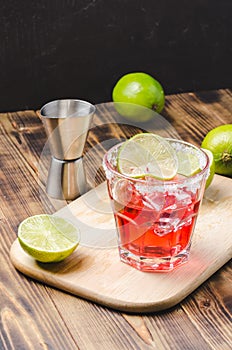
x=48, y=238
x=147, y=154
x=188, y=163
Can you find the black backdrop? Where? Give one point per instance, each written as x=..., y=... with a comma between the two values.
x=79, y=48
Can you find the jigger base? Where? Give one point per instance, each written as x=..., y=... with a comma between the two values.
x=66, y=179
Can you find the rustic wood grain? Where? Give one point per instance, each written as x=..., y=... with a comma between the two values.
x=34, y=316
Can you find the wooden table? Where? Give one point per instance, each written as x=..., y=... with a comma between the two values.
x=35, y=316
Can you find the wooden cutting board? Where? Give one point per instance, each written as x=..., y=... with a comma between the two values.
x=94, y=271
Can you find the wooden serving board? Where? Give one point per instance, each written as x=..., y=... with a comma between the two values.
x=95, y=272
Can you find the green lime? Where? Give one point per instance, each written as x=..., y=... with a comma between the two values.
x=147, y=154
x=211, y=167
x=48, y=238
x=188, y=163
x=219, y=142
x=134, y=112
x=139, y=89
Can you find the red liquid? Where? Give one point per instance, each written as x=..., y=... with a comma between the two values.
x=155, y=233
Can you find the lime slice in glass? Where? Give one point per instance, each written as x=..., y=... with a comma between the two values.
x=147, y=154
x=211, y=167
x=48, y=238
x=188, y=163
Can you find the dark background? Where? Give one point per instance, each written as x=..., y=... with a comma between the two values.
x=80, y=48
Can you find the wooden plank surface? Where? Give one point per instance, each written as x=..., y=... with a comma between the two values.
x=95, y=273
x=35, y=316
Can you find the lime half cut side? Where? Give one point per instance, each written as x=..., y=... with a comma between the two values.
x=48, y=238
x=147, y=155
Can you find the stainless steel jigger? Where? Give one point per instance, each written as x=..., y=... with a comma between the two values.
x=66, y=123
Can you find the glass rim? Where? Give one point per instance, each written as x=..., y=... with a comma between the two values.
x=107, y=163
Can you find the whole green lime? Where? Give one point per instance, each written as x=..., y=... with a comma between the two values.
x=140, y=89
x=219, y=142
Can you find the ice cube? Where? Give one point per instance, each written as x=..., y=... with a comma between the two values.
x=122, y=191
x=154, y=201
x=168, y=221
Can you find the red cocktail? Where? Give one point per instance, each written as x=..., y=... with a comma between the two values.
x=155, y=219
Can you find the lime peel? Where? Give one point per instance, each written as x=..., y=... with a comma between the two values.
x=211, y=167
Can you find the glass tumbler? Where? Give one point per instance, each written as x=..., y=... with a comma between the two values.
x=155, y=219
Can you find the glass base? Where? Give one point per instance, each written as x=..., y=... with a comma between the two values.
x=156, y=264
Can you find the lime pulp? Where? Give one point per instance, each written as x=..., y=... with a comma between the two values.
x=48, y=238
x=147, y=154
